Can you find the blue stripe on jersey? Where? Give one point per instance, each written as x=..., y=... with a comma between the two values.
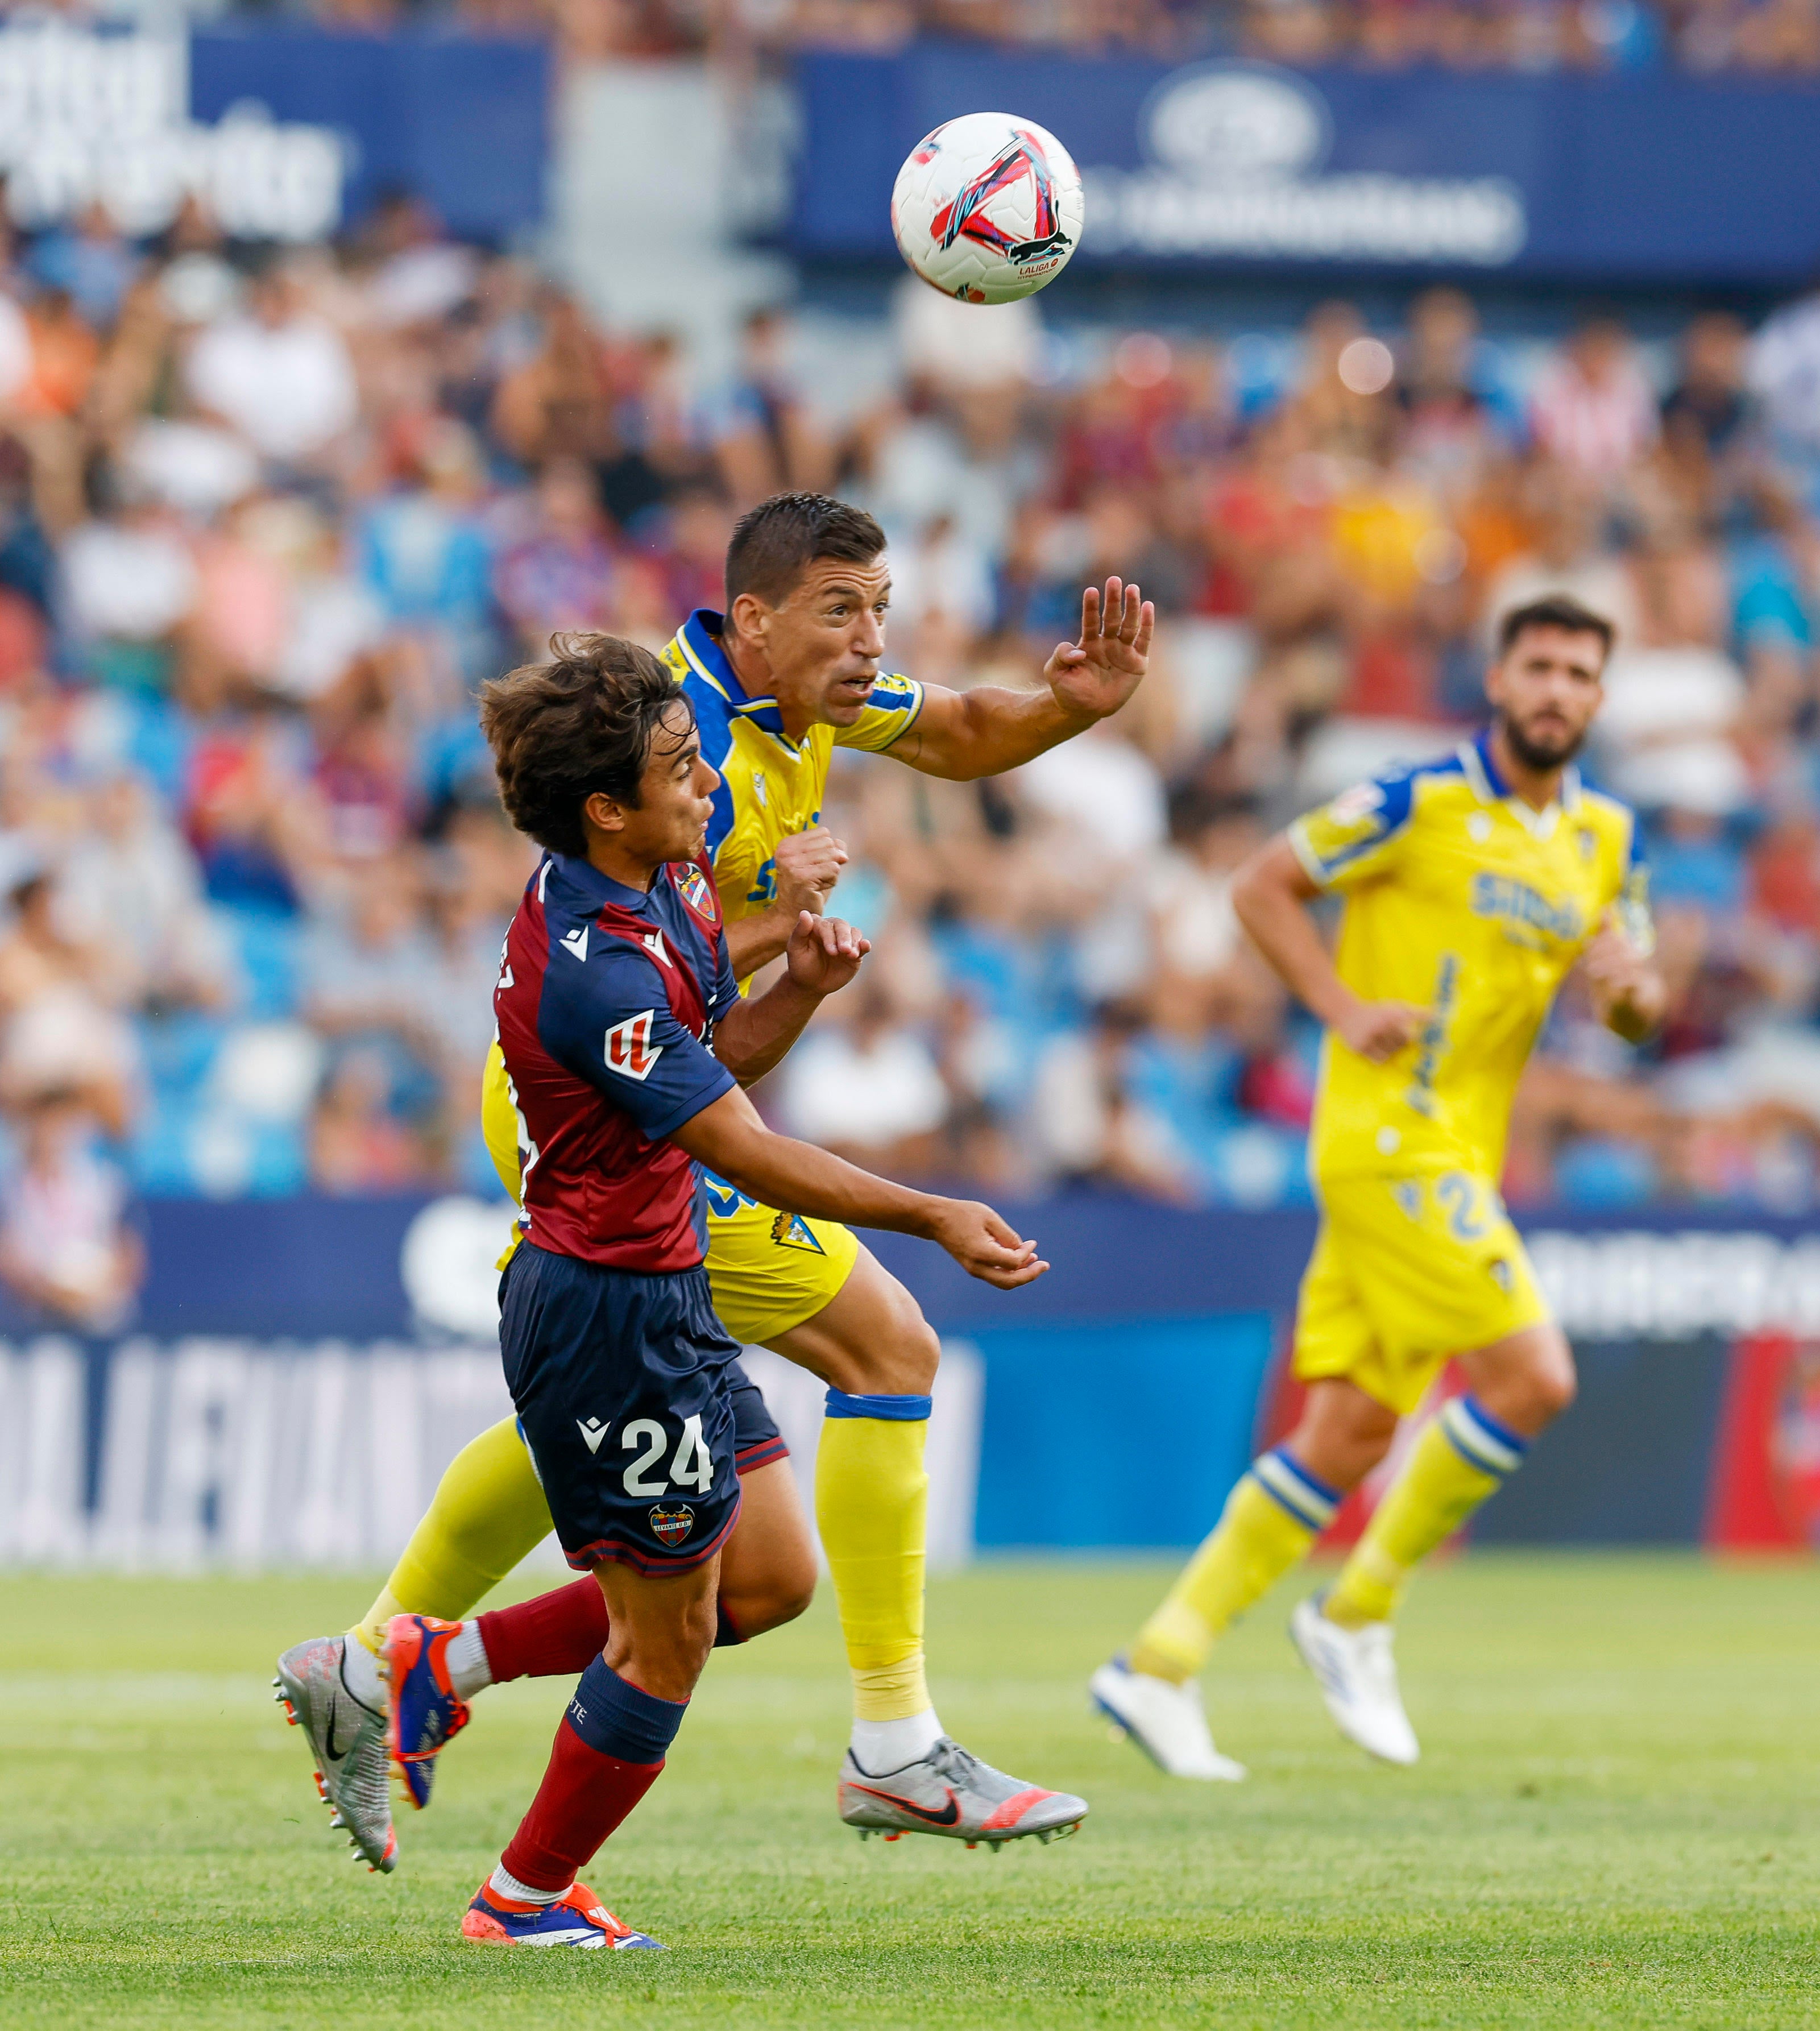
x=700, y=637
x=1396, y=806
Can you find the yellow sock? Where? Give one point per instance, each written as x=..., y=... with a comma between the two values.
x=1271, y=1518
x=872, y=1510
x=487, y=1512
x=1462, y=1456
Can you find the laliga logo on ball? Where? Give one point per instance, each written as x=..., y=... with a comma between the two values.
x=988, y=208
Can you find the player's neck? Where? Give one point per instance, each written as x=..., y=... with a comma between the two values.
x=1537, y=788
x=757, y=680
x=628, y=870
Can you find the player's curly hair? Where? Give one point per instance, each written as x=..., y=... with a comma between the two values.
x=582, y=722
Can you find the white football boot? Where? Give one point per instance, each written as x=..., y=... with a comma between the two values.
x=1168, y=1723
x=1357, y=1675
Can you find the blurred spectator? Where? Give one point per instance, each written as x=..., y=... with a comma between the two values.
x=1592, y=408
x=1708, y=406
x=1091, y=1129
x=65, y=1246
x=59, y=1032
x=278, y=373
x=868, y=1087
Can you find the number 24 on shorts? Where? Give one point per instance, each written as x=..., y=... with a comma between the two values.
x=692, y=1467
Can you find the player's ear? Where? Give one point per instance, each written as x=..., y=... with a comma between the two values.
x=604, y=813
x=748, y=614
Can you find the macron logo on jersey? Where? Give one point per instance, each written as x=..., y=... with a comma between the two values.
x=575, y=943
x=654, y=944
x=629, y=1051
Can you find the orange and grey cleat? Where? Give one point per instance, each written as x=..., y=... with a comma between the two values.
x=347, y=1740
x=951, y=1792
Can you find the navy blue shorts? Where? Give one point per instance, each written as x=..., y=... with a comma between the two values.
x=627, y=1387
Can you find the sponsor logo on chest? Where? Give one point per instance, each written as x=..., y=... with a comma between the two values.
x=1525, y=912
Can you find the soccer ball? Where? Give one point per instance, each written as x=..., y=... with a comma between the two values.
x=988, y=208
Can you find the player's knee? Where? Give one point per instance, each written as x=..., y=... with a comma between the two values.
x=789, y=1594
x=1553, y=1388
x=903, y=1362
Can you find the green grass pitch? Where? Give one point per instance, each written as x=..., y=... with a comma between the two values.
x=1613, y=1823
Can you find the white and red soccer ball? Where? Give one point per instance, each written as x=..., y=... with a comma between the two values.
x=988, y=208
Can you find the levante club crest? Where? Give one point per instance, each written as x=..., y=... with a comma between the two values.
x=672, y=1525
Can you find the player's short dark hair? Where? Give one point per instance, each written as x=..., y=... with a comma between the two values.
x=581, y=722
x=775, y=542
x=1555, y=609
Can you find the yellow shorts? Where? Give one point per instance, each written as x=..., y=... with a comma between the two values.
x=1406, y=1271
x=770, y=1270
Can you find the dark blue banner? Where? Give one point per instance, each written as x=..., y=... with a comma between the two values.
x=286, y=135
x=1639, y=179
x=459, y=122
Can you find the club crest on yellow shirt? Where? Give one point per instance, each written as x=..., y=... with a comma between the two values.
x=790, y=1230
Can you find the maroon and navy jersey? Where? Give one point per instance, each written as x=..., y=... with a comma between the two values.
x=607, y=1005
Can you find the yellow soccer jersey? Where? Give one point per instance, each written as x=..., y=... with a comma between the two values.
x=1462, y=900
x=770, y=785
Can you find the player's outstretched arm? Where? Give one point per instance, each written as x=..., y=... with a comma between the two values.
x=823, y=956
x=729, y=1138
x=1270, y=895
x=965, y=735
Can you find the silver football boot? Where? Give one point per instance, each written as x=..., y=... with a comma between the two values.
x=347, y=1739
x=950, y=1792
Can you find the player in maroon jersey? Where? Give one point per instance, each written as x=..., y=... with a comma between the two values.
x=627, y=1046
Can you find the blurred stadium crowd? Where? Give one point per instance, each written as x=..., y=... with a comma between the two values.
x=263, y=526
x=1702, y=35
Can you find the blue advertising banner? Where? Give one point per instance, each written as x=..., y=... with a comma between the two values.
x=1650, y=178
x=462, y=123
x=299, y=1371
x=285, y=135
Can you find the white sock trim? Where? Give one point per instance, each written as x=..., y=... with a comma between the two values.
x=469, y=1672
x=882, y=1746
x=509, y=1885
x=361, y=1673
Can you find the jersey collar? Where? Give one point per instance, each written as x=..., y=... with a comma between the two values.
x=699, y=639
x=596, y=889
x=1482, y=772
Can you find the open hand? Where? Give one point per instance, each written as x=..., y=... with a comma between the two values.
x=1379, y=1030
x=808, y=865
x=984, y=1245
x=823, y=953
x=1095, y=676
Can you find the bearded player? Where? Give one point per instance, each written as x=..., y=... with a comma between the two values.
x=790, y=670
x=1472, y=886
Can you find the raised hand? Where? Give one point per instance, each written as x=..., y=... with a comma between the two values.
x=808, y=864
x=1095, y=676
x=823, y=953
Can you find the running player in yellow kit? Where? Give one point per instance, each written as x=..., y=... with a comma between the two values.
x=1472, y=886
x=789, y=672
